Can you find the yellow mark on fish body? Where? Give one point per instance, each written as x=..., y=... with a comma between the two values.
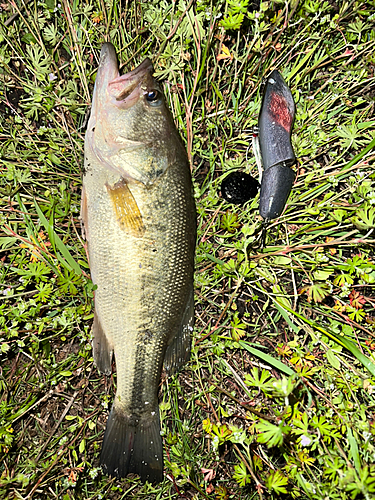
x=128, y=214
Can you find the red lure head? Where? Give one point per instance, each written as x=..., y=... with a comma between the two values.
x=280, y=111
x=276, y=122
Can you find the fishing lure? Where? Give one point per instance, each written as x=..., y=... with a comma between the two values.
x=274, y=155
x=275, y=129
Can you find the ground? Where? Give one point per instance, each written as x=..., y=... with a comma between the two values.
x=278, y=398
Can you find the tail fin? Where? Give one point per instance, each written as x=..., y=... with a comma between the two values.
x=131, y=446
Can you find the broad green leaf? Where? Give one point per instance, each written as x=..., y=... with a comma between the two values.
x=69, y=262
x=29, y=38
x=285, y=315
x=270, y=434
x=322, y=275
x=282, y=260
x=354, y=453
x=276, y=481
x=333, y=359
x=82, y=446
x=267, y=358
x=240, y=474
x=7, y=241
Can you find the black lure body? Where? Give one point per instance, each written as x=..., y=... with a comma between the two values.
x=239, y=188
x=275, y=130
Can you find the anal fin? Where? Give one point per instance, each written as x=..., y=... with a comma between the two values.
x=102, y=348
x=178, y=351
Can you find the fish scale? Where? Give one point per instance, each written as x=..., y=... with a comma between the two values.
x=139, y=218
x=131, y=285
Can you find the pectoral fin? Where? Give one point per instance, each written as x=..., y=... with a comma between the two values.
x=178, y=352
x=126, y=209
x=83, y=215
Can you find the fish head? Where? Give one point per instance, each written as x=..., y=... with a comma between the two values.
x=130, y=130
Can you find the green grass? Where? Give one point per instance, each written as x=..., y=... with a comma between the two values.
x=278, y=398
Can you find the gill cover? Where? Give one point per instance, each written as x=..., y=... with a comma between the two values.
x=275, y=129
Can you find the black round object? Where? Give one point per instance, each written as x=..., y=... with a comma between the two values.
x=239, y=188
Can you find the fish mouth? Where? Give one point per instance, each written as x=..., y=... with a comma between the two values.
x=127, y=88
x=109, y=81
x=137, y=73
x=108, y=67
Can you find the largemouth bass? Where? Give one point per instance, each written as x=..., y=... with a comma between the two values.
x=139, y=221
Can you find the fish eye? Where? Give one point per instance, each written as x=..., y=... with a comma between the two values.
x=153, y=97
